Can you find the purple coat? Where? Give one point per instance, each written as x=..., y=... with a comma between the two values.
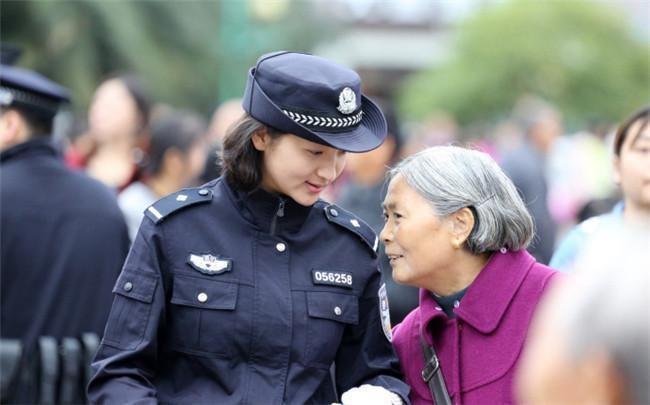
x=480, y=348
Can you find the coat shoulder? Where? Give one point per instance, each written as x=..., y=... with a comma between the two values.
x=176, y=202
x=351, y=223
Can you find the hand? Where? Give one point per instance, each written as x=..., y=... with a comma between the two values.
x=370, y=394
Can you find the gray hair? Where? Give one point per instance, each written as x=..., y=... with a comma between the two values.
x=452, y=178
x=605, y=305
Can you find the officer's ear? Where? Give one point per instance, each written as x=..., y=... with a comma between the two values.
x=13, y=129
x=262, y=139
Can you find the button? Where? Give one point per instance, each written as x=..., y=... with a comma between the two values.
x=456, y=304
x=128, y=286
x=438, y=309
x=281, y=247
x=203, y=192
x=503, y=250
x=202, y=297
x=334, y=212
x=337, y=311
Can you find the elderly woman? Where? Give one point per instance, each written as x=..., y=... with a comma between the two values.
x=457, y=229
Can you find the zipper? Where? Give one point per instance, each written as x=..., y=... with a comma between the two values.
x=278, y=214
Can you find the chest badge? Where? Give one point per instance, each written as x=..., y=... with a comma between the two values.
x=209, y=264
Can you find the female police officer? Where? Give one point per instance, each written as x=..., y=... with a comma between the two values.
x=247, y=290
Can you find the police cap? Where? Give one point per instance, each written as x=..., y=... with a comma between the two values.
x=315, y=99
x=22, y=88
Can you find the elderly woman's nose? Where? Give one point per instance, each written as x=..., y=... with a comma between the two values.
x=385, y=235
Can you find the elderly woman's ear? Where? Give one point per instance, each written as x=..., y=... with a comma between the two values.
x=461, y=224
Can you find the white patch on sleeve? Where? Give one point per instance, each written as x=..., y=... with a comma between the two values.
x=384, y=312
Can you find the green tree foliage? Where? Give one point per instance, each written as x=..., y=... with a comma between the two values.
x=184, y=50
x=581, y=56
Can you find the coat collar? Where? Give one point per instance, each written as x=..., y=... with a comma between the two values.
x=487, y=298
x=35, y=146
x=261, y=207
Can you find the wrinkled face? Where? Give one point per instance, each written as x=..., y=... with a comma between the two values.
x=113, y=112
x=632, y=167
x=417, y=240
x=299, y=168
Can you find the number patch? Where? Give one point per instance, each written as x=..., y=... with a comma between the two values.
x=337, y=278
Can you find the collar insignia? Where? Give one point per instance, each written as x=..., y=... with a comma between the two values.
x=347, y=101
x=209, y=264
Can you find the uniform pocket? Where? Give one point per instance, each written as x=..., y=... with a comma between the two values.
x=127, y=322
x=203, y=315
x=328, y=315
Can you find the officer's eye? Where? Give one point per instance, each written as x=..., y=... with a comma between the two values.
x=315, y=152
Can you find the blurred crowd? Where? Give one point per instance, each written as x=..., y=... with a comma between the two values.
x=143, y=150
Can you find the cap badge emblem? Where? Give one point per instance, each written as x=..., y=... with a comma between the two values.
x=347, y=101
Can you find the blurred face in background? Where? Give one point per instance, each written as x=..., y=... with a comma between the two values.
x=195, y=160
x=113, y=112
x=550, y=374
x=632, y=167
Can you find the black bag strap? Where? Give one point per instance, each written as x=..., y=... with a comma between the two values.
x=432, y=375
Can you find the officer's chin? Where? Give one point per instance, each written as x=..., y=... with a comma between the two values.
x=305, y=200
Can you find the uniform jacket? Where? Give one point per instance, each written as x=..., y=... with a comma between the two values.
x=480, y=348
x=64, y=241
x=292, y=292
x=63, y=244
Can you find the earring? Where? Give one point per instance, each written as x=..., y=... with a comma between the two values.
x=456, y=244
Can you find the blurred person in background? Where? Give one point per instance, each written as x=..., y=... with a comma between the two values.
x=177, y=154
x=118, y=120
x=248, y=289
x=362, y=195
x=63, y=243
x=226, y=114
x=590, y=342
x=457, y=229
x=525, y=164
x=632, y=174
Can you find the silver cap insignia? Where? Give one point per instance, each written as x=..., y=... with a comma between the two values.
x=347, y=101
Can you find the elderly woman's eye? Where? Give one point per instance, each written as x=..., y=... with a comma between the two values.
x=397, y=215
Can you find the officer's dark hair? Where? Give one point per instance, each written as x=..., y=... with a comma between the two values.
x=172, y=130
x=242, y=163
x=642, y=116
x=39, y=124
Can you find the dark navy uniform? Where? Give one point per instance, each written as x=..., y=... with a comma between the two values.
x=64, y=241
x=229, y=297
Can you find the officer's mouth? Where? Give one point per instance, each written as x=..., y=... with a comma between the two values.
x=314, y=188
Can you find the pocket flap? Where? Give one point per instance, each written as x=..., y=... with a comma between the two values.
x=337, y=307
x=204, y=293
x=139, y=286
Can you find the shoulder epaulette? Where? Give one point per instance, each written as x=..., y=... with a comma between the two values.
x=174, y=202
x=353, y=224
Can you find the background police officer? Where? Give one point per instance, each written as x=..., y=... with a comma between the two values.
x=63, y=243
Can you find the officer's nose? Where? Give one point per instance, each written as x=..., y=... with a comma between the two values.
x=331, y=168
